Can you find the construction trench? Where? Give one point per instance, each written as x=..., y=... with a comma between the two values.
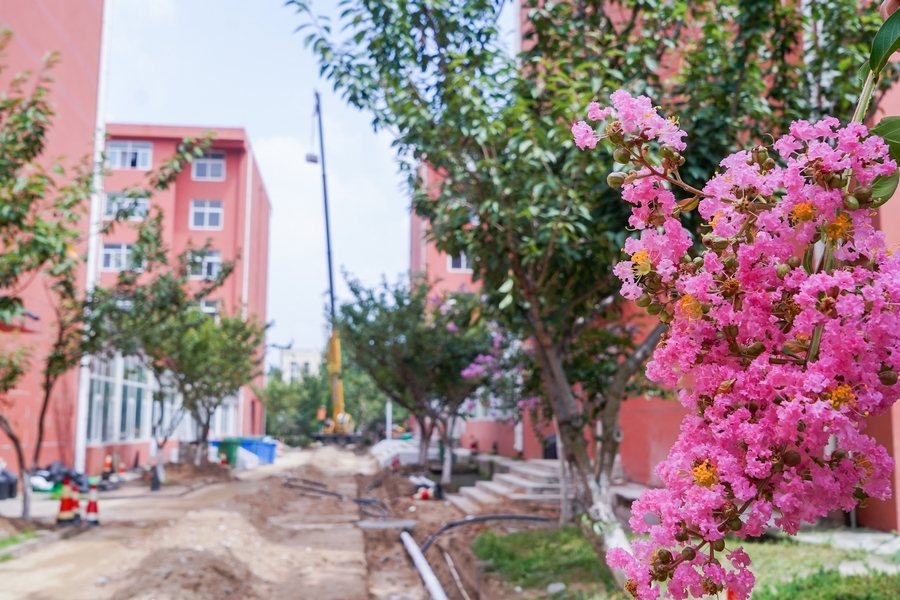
x=295, y=531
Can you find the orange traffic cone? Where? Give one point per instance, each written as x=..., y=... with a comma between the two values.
x=107, y=466
x=121, y=468
x=76, y=504
x=92, y=514
x=65, y=516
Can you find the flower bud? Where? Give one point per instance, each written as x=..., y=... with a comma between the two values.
x=851, y=202
x=654, y=308
x=794, y=262
x=887, y=377
x=681, y=536
x=667, y=151
x=615, y=133
x=735, y=524
x=838, y=455
x=621, y=155
x=863, y=193
x=615, y=180
x=665, y=557
x=688, y=553
x=792, y=458
x=718, y=545
x=720, y=243
x=859, y=494
x=665, y=317
x=782, y=270
x=759, y=155
x=643, y=301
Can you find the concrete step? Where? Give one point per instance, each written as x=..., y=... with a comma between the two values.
x=548, y=464
x=478, y=495
x=526, y=486
x=463, y=503
x=551, y=499
x=535, y=473
x=500, y=490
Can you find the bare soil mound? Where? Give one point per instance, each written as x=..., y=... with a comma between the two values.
x=190, y=474
x=189, y=575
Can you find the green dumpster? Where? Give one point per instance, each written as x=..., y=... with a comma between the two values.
x=229, y=447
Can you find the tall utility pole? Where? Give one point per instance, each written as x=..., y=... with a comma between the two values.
x=341, y=421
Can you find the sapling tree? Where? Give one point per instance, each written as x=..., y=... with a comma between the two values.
x=416, y=348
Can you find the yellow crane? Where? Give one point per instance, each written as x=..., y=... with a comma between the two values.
x=340, y=429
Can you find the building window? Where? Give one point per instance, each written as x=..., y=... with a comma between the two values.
x=458, y=263
x=295, y=371
x=129, y=155
x=206, y=214
x=116, y=202
x=211, y=308
x=116, y=257
x=206, y=265
x=209, y=167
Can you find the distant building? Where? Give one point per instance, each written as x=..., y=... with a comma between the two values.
x=106, y=405
x=298, y=363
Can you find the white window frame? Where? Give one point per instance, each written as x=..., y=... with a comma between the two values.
x=113, y=202
x=139, y=152
x=122, y=250
x=464, y=262
x=207, y=262
x=206, y=208
x=208, y=160
x=211, y=308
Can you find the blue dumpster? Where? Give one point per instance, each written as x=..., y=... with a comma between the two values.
x=265, y=450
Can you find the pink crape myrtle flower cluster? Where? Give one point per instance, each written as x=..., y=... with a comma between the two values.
x=784, y=337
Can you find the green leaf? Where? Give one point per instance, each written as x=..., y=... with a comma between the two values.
x=886, y=42
x=507, y=300
x=507, y=285
x=884, y=187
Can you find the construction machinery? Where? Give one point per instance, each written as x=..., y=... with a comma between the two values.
x=340, y=428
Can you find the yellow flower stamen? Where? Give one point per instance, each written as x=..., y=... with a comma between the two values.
x=705, y=474
x=841, y=395
x=690, y=307
x=805, y=211
x=840, y=227
x=640, y=261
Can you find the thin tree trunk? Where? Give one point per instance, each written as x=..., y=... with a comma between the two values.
x=49, y=382
x=603, y=529
x=424, y=439
x=447, y=468
x=23, y=474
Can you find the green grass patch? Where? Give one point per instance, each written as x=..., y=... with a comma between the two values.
x=784, y=560
x=829, y=585
x=534, y=559
x=14, y=540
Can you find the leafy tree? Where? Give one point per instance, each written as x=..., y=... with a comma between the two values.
x=292, y=407
x=415, y=350
x=534, y=216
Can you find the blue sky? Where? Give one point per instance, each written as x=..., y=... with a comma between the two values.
x=238, y=63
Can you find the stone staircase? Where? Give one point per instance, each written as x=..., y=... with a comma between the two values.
x=533, y=481
x=525, y=481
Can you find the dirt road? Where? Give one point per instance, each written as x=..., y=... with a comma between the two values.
x=245, y=539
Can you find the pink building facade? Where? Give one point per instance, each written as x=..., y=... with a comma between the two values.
x=75, y=30
x=105, y=407
x=221, y=200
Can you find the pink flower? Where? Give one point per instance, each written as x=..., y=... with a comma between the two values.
x=584, y=135
x=452, y=328
x=595, y=113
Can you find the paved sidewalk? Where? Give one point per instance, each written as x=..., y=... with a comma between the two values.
x=883, y=549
